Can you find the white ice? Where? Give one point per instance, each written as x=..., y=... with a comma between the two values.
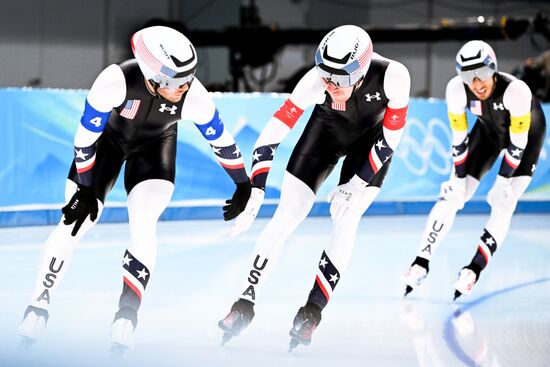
x=200, y=272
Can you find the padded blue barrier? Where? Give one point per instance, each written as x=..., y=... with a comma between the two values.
x=36, y=149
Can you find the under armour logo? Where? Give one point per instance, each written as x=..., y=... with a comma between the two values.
x=171, y=109
x=375, y=96
x=498, y=106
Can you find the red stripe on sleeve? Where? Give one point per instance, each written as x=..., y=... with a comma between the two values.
x=289, y=113
x=87, y=168
x=372, y=164
x=259, y=171
x=462, y=160
x=232, y=166
x=394, y=119
x=514, y=166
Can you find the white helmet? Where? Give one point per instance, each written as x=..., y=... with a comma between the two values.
x=344, y=55
x=476, y=59
x=165, y=56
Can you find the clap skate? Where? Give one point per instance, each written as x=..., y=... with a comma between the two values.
x=465, y=283
x=416, y=274
x=240, y=316
x=33, y=325
x=305, y=322
x=122, y=331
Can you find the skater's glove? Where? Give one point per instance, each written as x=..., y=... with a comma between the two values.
x=454, y=190
x=237, y=203
x=344, y=198
x=82, y=204
x=246, y=218
x=501, y=194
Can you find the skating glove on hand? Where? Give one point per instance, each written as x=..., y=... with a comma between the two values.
x=344, y=198
x=454, y=190
x=501, y=194
x=238, y=202
x=245, y=219
x=82, y=204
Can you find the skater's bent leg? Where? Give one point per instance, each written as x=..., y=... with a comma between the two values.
x=146, y=202
x=335, y=258
x=497, y=226
x=295, y=203
x=58, y=251
x=441, y=219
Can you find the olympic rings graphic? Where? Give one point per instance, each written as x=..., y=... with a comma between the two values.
x=420, y=142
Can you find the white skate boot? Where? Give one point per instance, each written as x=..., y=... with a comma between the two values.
x=414, y=277
x=33, y=325
x=465, y=283
x=122, y=331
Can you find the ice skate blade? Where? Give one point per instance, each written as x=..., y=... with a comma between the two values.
x=226, y=337
x=408, y=290
x=457, y=294
x=293, y=344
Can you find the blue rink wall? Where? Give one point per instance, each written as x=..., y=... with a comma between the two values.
x=36, y=149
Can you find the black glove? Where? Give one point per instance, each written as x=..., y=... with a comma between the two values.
x=238, y=202
x=82, y=204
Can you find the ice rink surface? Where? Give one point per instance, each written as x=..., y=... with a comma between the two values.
x=200, y=272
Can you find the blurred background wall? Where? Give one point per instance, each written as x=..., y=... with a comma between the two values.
x=65, y=44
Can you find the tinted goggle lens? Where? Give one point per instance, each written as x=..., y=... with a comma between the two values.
x=342, y=81
x=483, y=74
x=176, y=83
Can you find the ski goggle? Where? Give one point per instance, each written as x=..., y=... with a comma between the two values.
x=483, y=73
x=340, y=80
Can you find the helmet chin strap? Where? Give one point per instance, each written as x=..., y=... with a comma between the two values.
x=152, y=87
x=357, y=85
x=156, y=86
x=494, y=82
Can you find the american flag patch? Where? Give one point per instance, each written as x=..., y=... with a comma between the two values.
x=475, y=108
x=130, y=109
x=339, y=106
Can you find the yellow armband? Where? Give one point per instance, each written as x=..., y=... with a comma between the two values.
x=458, y=122
x=520, y=124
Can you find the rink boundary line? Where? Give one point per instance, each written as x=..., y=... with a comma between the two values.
x=449, y=331
x=116, y=212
